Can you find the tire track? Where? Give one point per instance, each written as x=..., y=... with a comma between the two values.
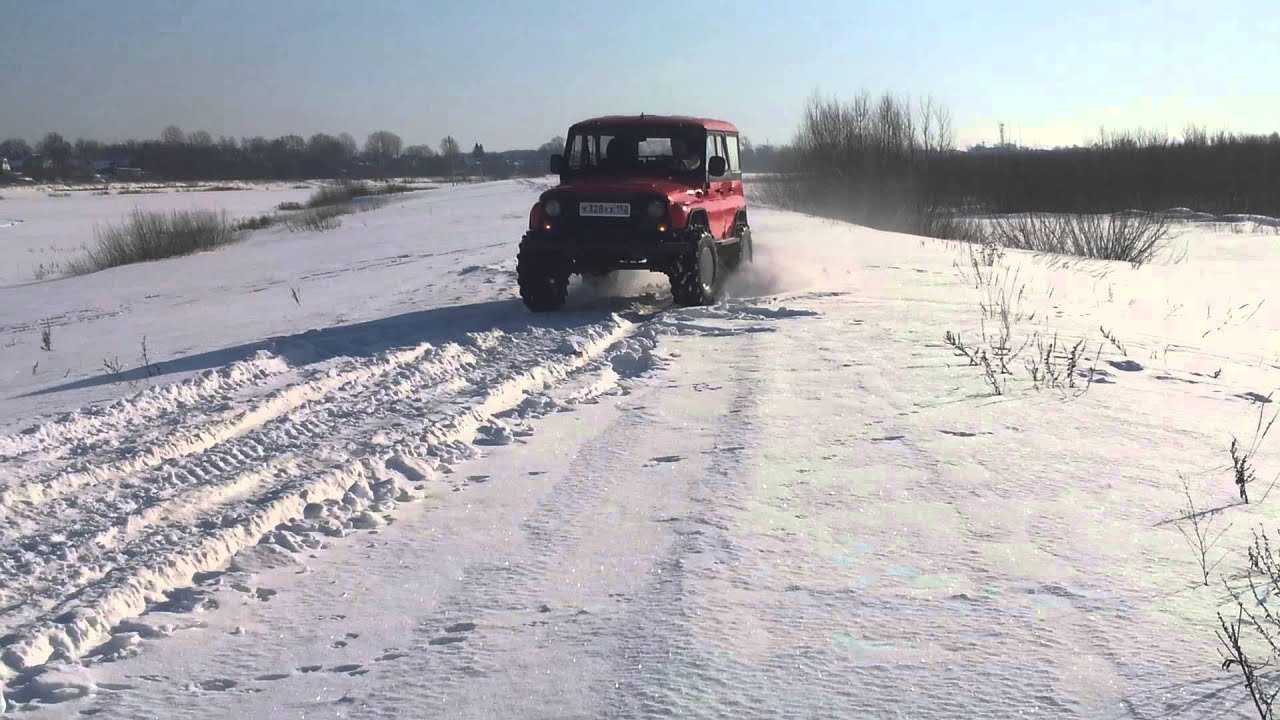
x=354, y=445
x=178, y=442
x=84, y=430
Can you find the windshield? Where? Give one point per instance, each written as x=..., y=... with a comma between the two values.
x=636, y=151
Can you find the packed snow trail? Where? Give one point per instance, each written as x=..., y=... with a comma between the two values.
x=732, y=536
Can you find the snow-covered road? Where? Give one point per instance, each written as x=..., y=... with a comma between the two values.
x=797, y=503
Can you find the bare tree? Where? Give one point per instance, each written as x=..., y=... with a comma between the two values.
x=349, y=147
x=201, y=138
x=14, y=148
x=383, y=145
x=450, y=149
x=173, y=135
x=56, y=148
x=419, y=151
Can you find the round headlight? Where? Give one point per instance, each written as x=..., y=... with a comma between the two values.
x=657, y=209
x=551, y=208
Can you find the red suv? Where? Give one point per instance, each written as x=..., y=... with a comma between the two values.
x=652, y=192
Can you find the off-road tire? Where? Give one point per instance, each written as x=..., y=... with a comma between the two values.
x=696, y=276
x=543, y=278
x=742, y=253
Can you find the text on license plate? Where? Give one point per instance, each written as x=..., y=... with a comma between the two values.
x=598, y=209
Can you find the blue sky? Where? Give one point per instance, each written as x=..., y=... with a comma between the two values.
x=513, y=73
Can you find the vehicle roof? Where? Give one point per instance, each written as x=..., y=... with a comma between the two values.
x=657, y=120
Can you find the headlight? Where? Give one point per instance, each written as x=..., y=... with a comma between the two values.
x=657, y=209
x=551, y=208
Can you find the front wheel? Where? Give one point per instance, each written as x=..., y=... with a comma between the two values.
x=696, y=276
x=543, y=278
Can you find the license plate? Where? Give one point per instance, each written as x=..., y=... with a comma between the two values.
x=598, y=209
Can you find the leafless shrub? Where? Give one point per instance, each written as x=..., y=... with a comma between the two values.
x=261, y=222
x=1201, y=538
x=1242, y=460
x=1111, y=338
x=1258, y=621
x=113, y=365
x=297, y=295
x=1055, y=366
x=151, y=369
x=977, y=358
x=43, y=271
x=147, y=236
x=59, y=194
x=1130, y=237
x=46, y=336
x=289, y=206
x=318, y=219
x=342, y=193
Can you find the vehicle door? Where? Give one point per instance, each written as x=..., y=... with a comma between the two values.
x=720, y=190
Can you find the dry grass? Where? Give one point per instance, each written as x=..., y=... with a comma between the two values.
x=342, y=193
x=261, y=222
x=319, y=219
x=147, y=236
x=1134, y=238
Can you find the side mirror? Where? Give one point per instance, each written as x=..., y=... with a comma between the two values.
x=557, y=164
x=716, y=166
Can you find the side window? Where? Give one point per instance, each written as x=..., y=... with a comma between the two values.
x=713, y=147
x=576, y=148
x=731, y=147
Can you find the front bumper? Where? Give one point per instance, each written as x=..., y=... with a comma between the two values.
x=623, y=243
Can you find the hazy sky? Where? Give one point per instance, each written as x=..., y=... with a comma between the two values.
x=513, y=73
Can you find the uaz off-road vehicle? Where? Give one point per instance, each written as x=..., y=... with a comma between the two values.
x=659, y=193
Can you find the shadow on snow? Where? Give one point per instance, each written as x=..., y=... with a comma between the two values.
x=437, y=326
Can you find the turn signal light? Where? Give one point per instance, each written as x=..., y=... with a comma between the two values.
x=546, y=226
x=662, y=228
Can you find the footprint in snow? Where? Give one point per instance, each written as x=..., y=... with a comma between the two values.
x=668, y=459
x=961, y=433
x=889, y=438
x=460, y=627
x=477, y=478
x=1126, y=365
x=387, y=657
x=310, y=668
x=446, y=640
x=216, y=685
x=345, y=668
x=271, y=677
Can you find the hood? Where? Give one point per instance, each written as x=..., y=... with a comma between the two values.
x=603, y=185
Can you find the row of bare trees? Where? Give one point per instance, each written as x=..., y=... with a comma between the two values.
x=890, y=163
x=178, y=155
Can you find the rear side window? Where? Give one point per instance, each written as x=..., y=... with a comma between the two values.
x=731, y=146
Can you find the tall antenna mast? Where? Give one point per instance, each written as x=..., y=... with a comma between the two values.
x=1001, y=134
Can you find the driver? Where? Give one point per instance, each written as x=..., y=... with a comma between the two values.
x=683, y=156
